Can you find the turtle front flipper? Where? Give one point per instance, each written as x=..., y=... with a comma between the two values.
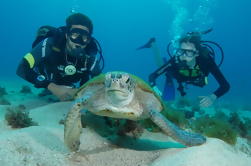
x=182, y=136
x=73, y=127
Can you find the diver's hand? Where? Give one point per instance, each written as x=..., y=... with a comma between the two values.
x=157, y=91
x=64, y=93
x=206, y=101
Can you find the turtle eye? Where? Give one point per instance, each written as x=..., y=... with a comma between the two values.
x=127, y=80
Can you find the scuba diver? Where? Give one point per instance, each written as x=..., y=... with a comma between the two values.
x=192, y=63
x=63, y=58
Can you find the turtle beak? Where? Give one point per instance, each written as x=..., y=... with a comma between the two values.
x=112, y=114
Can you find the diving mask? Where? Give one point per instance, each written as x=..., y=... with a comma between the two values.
x=186, y=52
x=79, y=36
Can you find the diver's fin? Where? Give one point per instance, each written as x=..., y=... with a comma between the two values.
x=168, y=92
x=148, y=44
x=169, y=89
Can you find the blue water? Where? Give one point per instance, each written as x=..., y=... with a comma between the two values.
x=123, y=25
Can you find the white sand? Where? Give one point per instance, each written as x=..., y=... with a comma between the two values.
x=214, y=153
x=43, y=145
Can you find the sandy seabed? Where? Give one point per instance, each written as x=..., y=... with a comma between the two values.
x=43, y=145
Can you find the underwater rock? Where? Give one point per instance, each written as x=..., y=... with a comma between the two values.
x=213, y=153
x=25, y=89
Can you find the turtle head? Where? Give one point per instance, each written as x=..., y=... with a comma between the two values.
x=119, y=88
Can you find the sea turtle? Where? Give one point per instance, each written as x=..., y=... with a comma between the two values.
x=121, y=95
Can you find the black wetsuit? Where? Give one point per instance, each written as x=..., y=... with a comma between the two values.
x=48, y=59
x=197, y=76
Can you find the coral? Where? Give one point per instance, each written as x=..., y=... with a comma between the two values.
x=4, y=101
x=18, y=117
x=25, y=89
x=217, y=128
x=2, y=92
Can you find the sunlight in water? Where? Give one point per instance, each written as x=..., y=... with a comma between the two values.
x=199, y=15
x=75, y=7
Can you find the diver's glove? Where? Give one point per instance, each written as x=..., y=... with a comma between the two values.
x=64, y=93
x=157, y=91
x=206, y=101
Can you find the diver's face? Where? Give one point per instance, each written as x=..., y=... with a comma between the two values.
x=187, y=52
x=77, y=37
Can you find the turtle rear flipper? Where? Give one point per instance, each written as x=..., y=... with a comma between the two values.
x=182, y=136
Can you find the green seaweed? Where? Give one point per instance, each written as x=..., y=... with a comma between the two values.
x=217, y=128
x=221, y=115
x=238, y=125
x=175, y=116
x=18, y=117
